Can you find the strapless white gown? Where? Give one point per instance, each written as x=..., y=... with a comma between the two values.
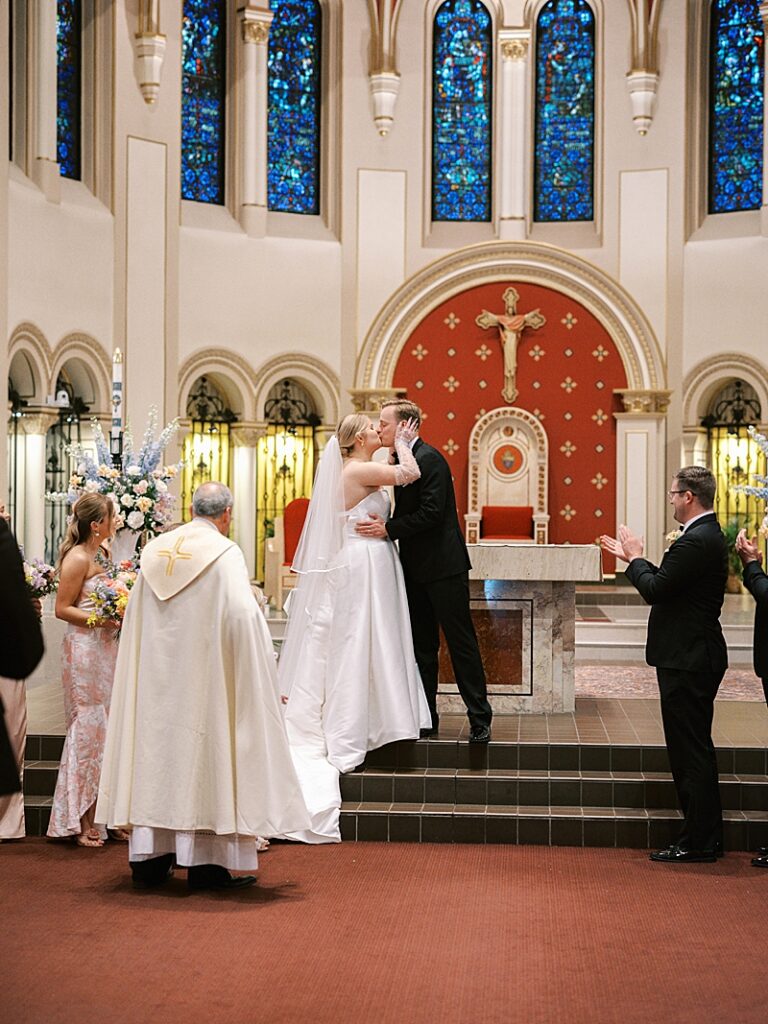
x=359, y=687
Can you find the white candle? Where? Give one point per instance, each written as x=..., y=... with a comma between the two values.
x=117, y=394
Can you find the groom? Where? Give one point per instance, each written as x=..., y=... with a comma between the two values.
x=436, y=570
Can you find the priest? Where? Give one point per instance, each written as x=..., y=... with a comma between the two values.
x=196, y=762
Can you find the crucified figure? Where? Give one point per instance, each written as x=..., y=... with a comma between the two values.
x=510, y=326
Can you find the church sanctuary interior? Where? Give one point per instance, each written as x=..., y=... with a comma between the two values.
x=545, y=222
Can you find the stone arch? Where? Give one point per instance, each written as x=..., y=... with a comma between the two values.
x=524, y=261
x=317, y=377
x=233, y=376
x=708, y=377
x=91, y=365
x=29, y=345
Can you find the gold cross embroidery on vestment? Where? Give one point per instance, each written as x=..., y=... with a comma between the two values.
x=173, y=555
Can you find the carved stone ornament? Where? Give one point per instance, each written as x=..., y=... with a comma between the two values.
x=642, y=87
x=384, y=86
x=150, y=54
x=248, y=435
x=369, y=399
x=643, y=401
x=256, y=32
x=514, y=49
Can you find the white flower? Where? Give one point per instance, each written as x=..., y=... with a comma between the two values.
x=135, y=520
x=141, y=487
x=133, y=471
x=157, y=473
x=161, y=487
x=91, y=486
x=127, y=500
x=119, y=521
x=144, y=505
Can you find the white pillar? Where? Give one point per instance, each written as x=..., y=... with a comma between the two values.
x=254, y=42
x=31, y=514
x=764, y=208
x=45, y=168
x=245, y=438
x=514, y=122
x=641, y=486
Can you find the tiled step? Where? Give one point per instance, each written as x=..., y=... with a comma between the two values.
x=560, y=826
x=516, y=787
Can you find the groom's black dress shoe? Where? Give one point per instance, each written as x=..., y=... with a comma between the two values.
x=212, y=876
x=480, y=734
x=762, y=851
x=760, y=862
x=424, y=733
x=679, y=855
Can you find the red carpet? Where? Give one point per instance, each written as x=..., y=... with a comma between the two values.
x=387, y=934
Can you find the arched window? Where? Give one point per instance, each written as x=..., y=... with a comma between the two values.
x=68, y=87
x=203, y=84
x=565, y=112
x=735, y=106
x=293, y=146
x=461, y=112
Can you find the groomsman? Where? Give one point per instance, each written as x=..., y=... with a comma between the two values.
x=686, y=646
x=756, y=582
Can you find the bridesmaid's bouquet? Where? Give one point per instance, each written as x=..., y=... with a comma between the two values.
x=40, y=577
x=110, y=595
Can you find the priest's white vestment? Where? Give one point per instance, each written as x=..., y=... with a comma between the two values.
x=196, y=741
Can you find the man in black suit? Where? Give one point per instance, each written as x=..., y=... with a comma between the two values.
x=21, y=641
x=756, y=582
x=436, y=570
x=686, y=645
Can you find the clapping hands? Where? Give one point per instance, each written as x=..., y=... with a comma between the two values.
x=625, y=547
x=747, y=549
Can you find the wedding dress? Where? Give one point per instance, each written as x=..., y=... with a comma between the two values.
x=348, y=665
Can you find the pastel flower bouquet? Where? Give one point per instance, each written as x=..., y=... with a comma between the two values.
x=110, y=594
x=40, y=577
x=139, y=488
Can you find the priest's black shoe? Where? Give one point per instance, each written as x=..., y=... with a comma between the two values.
x=479, y=734
x=212, y=876
x=152, y=873
x=762, y=851
x=679, y=855
x=760, y=862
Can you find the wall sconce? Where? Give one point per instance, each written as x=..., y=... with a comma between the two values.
x=150, y=50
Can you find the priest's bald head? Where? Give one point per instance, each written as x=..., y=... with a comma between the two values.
x=213, y=501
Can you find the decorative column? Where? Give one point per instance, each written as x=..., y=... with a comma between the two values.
x=383, y=76
x=643, y=78
x=764, y=208
x=150, y=50
x=30, y=504
x=254, y=41
x=245, y=438
x=515, y=107
x=641, y=485
x=45, y=167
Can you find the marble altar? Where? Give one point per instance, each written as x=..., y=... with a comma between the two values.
x=523, y=599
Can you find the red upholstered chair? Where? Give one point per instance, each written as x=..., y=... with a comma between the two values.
x=501, y=522
x=294, y=514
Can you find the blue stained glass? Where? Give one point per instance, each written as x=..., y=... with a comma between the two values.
x=293, y=145
x=68, y=107
x=203, y=83
x=565, y=112
x=461, y=112
x=736, y=106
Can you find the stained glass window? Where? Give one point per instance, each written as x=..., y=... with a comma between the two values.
x=68, y=107
x=293, y=145
x=736, y=106
x=203, y=83
x=461, y=112
x=565, y=112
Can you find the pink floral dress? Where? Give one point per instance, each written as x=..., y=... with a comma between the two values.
x=87, y=674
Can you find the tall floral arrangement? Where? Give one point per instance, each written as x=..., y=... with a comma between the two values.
x=761, y=489
x=139, y=488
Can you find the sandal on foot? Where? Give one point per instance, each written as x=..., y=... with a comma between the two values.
x=118, y=835
x=90, y=838
x=261, y=844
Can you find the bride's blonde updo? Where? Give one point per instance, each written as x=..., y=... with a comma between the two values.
x=90, y=508
x=347, y=431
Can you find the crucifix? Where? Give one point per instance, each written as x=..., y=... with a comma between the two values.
x=510, y=325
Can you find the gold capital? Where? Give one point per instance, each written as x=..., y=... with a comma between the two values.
x=514, y=49
x=256, y=32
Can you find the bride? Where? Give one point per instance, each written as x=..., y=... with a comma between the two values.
x=347, y=669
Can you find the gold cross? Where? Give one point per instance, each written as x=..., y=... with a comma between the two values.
x=172, y=555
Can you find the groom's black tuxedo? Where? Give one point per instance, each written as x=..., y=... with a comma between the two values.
x=756, y=582
x=686, y=645
x=436, y=567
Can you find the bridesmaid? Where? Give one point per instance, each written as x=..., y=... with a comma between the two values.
x=88, y=668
